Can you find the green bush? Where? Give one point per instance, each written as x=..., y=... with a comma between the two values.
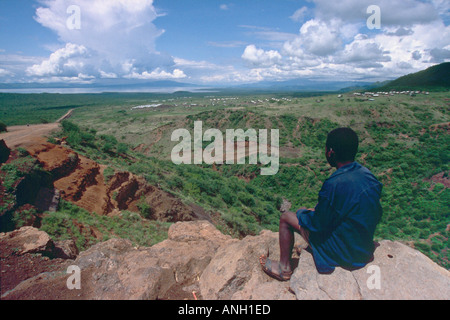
x=228, y=196
x=246, y=199
x=107, y=147
x=21, y=218
x=69, y=126
x=16, y=169
x=108, y=173
x=122, y=148
x=145, y=209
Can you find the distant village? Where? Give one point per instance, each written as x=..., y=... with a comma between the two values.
x=372, y=95
x=368, y=96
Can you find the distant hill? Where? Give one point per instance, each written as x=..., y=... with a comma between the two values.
x=434, y=78
x=302, y=85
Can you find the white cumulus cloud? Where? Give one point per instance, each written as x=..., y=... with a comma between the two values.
x=157, y=74
x=62, y=62
x=336, y=42
x=259, y=57
x=119, y=35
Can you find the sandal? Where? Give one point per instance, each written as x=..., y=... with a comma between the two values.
x=267, y=266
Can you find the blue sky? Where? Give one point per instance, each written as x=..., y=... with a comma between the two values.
x=218, y=42
x=213, y=29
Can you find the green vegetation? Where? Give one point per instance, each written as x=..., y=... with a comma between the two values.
x=17, y=169
x=404, y=142
x=108, y=173
x=67, y=221
x=70, y=221
x=246, y=209
x=22, y=109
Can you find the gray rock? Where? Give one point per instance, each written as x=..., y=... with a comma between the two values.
x=235, y=272
x=29, y=240
x=398, y=272
x=66, y=249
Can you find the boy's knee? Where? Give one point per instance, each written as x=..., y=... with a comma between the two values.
x=289, y=217
x=284, y=216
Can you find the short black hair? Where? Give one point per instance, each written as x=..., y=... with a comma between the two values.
x=344, y=142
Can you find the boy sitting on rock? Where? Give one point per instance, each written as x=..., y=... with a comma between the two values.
x=340, y=229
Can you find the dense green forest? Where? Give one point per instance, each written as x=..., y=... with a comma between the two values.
x=404, y=141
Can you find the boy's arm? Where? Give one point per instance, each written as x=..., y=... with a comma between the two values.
x=317, y=219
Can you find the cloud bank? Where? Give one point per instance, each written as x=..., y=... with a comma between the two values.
x=337, y=43
x=113, y=39
x=101, y=40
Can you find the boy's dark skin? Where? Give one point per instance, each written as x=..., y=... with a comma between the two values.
x=288, y=225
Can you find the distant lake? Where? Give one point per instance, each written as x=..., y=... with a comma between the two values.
x=106, y=89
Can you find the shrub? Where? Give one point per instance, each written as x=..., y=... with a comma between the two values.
x=108, y=173
x=69, y=126
x=175, y=182
x=246, y=199
x=109, y=139
x=145, y=209
x=228, y=196
x=74, y=138
x=107, y=147
x=22, y=152
x=122, y=148
x=16, y=169
x=22, y=218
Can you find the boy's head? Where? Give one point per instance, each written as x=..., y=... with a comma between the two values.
x=341, y=146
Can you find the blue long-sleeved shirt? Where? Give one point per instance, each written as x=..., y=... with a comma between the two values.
x=344, y=221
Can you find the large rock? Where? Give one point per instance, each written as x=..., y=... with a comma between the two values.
x=197, y=258
x=65, y=249
x=235, y=271
x=398, y=272
x=116, y=270
x=28, y=240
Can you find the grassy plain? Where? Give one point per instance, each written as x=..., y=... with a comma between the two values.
x=404, y=141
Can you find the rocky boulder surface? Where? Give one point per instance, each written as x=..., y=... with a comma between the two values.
x=198, y=262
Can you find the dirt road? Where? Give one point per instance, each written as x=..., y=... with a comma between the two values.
x=66, y=116
x=27, y=136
